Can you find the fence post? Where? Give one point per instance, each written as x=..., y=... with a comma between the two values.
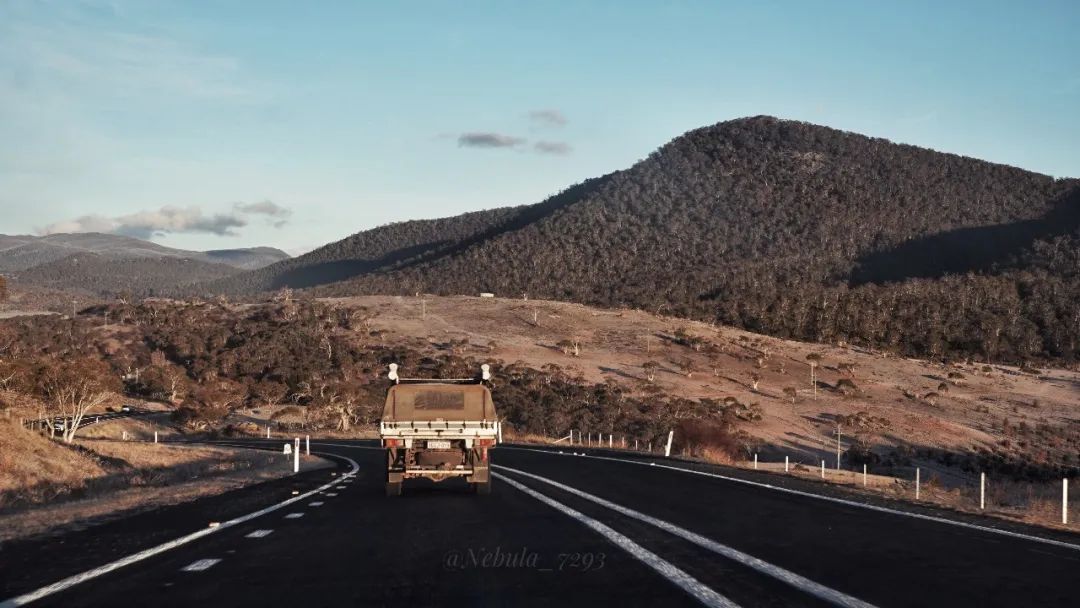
x=785, y=464
x=864, y=475
x=667, y=450
x=982, y=491
x=917, y=483
x=1065, y=500
x=296, y=456
x=755, y=461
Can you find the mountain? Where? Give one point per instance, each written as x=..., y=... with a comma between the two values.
x=147, y=276
x=22, y=252
x=775, y=226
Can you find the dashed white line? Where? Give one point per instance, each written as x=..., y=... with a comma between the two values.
x=294, y=516
x=802, y=584
x=681, y=579
x=317, y=503
x=259, y=534
x=330, y=494
x=82, y=577
x=339, y=487
x=199, y=566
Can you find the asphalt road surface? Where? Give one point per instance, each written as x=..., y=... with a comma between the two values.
x=558, y=529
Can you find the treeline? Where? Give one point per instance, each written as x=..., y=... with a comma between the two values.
x=210, y=359
x=104, y=276
x=775, y=226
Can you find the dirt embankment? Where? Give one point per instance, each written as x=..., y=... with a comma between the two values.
x=46, y=485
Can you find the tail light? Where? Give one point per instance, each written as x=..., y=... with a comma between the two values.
x=485, y=443
x=392, y=443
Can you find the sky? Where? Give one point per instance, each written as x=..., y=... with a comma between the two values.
x=209, y=124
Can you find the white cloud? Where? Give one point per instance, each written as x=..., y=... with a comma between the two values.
x=173, y=220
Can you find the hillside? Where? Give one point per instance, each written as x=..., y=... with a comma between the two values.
x=22, y=252
x=780, y=227
x=100, y=275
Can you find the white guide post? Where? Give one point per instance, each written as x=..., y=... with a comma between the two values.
x=1065, y=500
x=917, y=483
x=785, y=464
x=823, y=468
x=864, y=474
x=267, y=432
x=755, y=460
x=667, y=449
x=982, y=490
x=307, y=444
x=155, y=436
x=296, y=456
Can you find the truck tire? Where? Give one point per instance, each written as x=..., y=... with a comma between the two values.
x=393, y=488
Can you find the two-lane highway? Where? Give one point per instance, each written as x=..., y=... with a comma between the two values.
x=558, y=528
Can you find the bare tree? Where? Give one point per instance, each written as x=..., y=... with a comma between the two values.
x=74, y=388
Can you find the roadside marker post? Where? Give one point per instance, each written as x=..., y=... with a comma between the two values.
x=864, y=475
x=667, y=450
x=155, y=436
x=268, y=432
x=1065, y=500
x=917, y=483
x=823, y=468
x=755, y=461
x=982, y=491
x=307, y=444
x=785, y=464
x=296, y=456
x=610, y=440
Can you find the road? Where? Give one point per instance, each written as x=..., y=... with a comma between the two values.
x=615, y=530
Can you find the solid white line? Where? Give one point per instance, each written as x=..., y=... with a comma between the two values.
x=681, y=579
x=199, y=566
x=801, y=583
x=842, y=501
x=259, y=534
x=82, y=577
x=294, y=516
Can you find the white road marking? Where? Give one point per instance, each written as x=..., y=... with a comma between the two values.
x=786, y=576
x=681, y=579
x=842, y=501
x=317, y=503
x=330, y=494
x=199, y=566
x=339, y=488
x=294, y=516
x=259, y=534
x=82, y=577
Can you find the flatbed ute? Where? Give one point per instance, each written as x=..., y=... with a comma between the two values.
x=439, y=429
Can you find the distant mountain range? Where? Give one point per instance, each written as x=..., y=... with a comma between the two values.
x=107, y=263
x=776, y=226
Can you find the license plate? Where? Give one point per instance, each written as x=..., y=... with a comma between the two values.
x=438, y=445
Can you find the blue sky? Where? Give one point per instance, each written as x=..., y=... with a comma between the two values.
x=209, y=124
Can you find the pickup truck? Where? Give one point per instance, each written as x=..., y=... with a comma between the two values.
x=439, y=429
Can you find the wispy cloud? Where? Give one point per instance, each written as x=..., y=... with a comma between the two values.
x=173, y=220
x=548, y=118
x=489, y=140
x=560, y=148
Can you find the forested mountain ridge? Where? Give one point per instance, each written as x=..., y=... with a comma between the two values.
x=780, y=227
x=22, y=252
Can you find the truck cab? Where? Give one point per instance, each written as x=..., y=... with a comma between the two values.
x=439, y=429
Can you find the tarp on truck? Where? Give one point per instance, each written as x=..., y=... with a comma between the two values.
x=412, y=402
